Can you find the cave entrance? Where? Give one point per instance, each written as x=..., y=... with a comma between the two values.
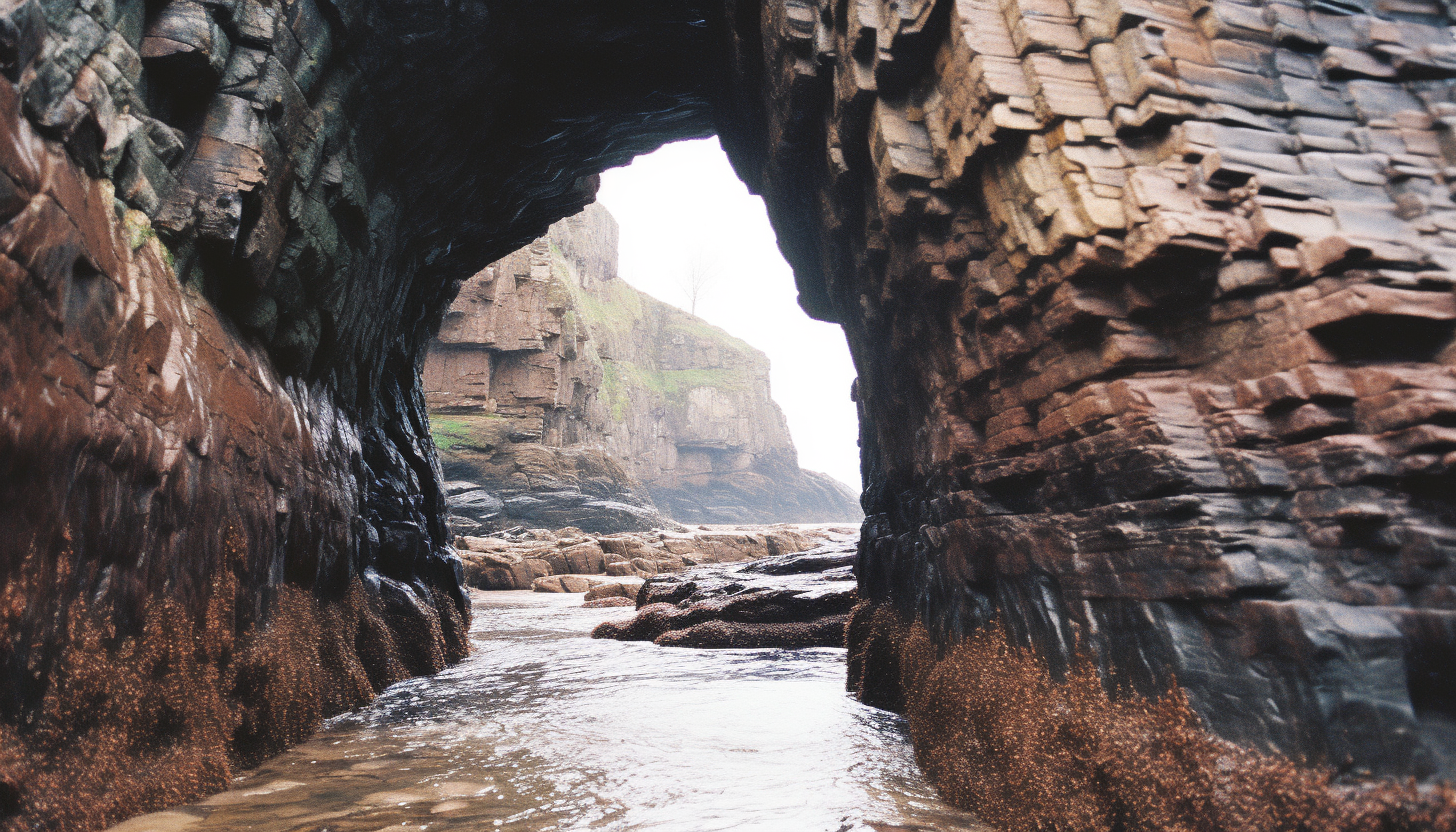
x=661, y=327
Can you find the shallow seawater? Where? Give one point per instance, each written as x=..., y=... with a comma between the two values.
x=545, y=728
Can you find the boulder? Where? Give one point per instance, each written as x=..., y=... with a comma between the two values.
x=758, y=604
x=617, y=589
x=517, y=560
x=478, y=505
x=561, y=583
x=575, y=583
x=585, y=558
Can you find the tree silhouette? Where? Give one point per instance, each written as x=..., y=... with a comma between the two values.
x=699, y=273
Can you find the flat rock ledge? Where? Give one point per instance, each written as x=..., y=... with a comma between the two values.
x=565, y=560
x=788, y=601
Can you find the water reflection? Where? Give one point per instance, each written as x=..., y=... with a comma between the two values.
x=544, y=728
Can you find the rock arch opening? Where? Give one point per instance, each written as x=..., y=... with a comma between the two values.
x=1102, y=265
x=578, y=362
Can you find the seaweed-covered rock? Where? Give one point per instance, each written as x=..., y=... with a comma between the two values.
x=227, y=232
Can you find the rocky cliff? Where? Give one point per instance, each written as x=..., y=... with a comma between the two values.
x=568, y=397
x=227, y=232
x=1152, y=308
x=1150, y=302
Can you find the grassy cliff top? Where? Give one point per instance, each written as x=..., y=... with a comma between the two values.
x=633, y=329
x=615, y=307
x=476, y=431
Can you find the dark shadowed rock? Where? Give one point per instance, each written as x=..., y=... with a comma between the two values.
x=227, y=231
x=537, y=486
x=479, y=505
x=1151, y=304
x=826, y=631
x=821, y=560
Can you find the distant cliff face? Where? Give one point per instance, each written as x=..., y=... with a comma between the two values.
x=547, y=354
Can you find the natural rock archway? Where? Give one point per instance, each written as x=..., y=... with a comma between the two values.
x=1151, y=304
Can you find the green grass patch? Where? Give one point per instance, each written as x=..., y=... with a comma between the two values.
x=450, y=432
x=618, y=309
x=703, y=331
x=623, y=381
x=614, y=309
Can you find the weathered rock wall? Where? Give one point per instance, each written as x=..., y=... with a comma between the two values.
x=547, y=348
x=1152, y=309
x=176, y=512
x=229, y=229
x=1150, y=303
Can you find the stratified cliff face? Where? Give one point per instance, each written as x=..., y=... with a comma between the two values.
x=508, y=380
x=547, y=359
x=1152, y=308
x=1151, y=304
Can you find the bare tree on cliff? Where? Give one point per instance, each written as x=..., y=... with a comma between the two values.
x=702, y=270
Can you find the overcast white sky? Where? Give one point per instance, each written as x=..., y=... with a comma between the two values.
x=686, y=197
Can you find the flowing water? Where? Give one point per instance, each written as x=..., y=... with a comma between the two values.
x=545, y=728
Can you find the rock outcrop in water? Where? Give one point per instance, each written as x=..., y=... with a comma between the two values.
x=793, y=600
x=569, y=398
x=1151, y=304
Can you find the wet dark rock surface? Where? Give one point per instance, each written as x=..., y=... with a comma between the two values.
x=600, y=509
x=794, y=600
x=1151, y=305
x=229, y=230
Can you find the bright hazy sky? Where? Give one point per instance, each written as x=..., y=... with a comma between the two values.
x=685, y=198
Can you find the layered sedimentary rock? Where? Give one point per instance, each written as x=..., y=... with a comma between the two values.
x=547, y=359
x=229, y=229
x=786, y=601
x=1150, y=301
x=1152, y=307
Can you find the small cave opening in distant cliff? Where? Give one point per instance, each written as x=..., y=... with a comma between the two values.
x=1385, y=337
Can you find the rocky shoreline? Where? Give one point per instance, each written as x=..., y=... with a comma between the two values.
x=793, y=600
x=563, y=560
